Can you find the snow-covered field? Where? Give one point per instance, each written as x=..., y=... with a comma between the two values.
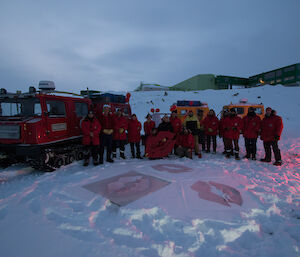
x=175, y=207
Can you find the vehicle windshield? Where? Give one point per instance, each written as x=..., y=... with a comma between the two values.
x=20, y=107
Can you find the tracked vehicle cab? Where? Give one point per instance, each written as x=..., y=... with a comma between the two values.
x=41, y=124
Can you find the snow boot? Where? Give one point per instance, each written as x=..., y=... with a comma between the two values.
x=228, y=154
x=236, y=155
x=277, y=163
x=253, y=157
x=139, y=156
x=207, y=151
x=199, y=155
x=110, y=160
x=86, y=162
x=122, y=155
x=114, y=155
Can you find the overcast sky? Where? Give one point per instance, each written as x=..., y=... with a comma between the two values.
x=116, y=44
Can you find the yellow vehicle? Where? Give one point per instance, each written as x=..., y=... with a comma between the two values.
x=183, y=107
x=243, y=106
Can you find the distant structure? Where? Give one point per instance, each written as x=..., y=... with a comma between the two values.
x=287, y=76
x=198, y=82
x=151, y=87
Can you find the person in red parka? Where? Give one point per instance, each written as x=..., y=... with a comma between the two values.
x=91, y=128
x=149, y=125
x=186, y=144
x=106, y=136
x=211, y=126
x=251, y=130
x=232, y=128
x=119, y=134
x=134, y=136
x=176, y=125
x=271, y=129
x=221, y=127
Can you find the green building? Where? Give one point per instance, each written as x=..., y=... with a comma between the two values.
x=287, y=76
x=198, y=82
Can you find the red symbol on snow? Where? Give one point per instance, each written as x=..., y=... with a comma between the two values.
x=172, y=168
x=224, y=194
x=126, y=188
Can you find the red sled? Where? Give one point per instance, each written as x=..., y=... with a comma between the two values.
x=161, y=145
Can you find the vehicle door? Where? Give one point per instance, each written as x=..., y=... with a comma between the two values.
x=57, y=125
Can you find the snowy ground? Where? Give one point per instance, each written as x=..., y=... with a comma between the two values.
x=177, y=207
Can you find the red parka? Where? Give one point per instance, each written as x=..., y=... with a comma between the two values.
x=88, y=126
x=232, y=126
x=134, y=131
x=176, y=124
x=251, y=126
x=120, y=127
x=221, y=126
x=107, y=121
x=148, y=126
x=160, y=145
x=186, y=141
x=271, y=127
x=211, y=125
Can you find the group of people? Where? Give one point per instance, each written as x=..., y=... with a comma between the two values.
x=108, y=131
x=113, y=131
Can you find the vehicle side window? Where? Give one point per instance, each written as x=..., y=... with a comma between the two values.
x=56, y=108
x=240, y=110
x=37, y=109
x=183, y=112
x=81, y=109
x=258, y=110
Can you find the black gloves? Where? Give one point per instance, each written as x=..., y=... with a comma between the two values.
x=276, y=138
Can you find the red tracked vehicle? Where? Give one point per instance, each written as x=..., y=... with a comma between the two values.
x=41, y=127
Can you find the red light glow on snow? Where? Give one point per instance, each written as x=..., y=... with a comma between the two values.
x=172, y=168
x=126, y=188
x=225, y=194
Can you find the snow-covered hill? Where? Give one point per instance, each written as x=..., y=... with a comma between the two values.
x=174, y=207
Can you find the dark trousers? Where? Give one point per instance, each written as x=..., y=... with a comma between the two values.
x=105, y=141
x=276, y=151
x=184, y=152
x=202, y=139
x=91, y=150
x=138, y=149
x=250, y=145
x=208, y=142
x=118, y=144
x=229, y=145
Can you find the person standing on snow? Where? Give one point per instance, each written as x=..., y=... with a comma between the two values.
x=119, y=135
x=177, y=126
x=134, y=136
x=221, y=127
x=251, y=129
x=91, y=128
x=211, y=126
x=192, y=123
x=271, y=129
x=106, y=136
x=149, y=124
x=232, y=129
